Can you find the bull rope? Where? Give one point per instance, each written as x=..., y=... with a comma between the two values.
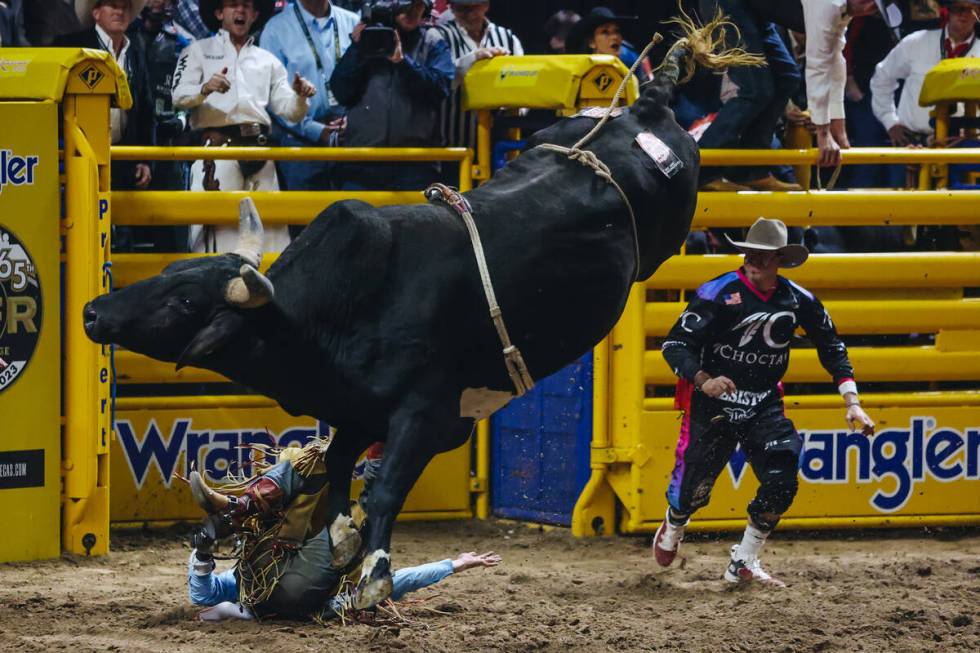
x=701, y=44
x=513, y=359
x=590, y=160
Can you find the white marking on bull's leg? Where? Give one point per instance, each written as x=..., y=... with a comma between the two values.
x=345, y=541
x=371, y=560
x=480, y=403
x=371, y=591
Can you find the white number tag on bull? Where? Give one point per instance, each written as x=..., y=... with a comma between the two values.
x=668, y=162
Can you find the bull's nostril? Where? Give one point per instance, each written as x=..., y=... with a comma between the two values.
x=89, y=314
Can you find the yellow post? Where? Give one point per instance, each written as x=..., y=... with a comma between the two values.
x=940, y=171
x=84, y=82
x=797, y=137
x=480, y=485
x=87, y=403
x=595, y=509
x=484, y=123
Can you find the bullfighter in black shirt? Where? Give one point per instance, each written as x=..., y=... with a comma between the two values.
x=730, y=349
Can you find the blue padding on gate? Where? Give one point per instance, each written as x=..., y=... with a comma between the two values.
x=540, y=448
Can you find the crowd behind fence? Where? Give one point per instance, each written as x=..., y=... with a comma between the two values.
x=195, y=70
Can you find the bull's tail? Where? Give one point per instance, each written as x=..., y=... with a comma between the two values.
x=701, y=46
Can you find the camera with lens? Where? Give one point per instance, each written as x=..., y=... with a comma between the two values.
x=378, y=38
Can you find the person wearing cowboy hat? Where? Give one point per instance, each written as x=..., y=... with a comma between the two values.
x=599, y=33
x=104, y=24
x=308, y=584
x=910, y=60
x=229, y=85
x=730, y=349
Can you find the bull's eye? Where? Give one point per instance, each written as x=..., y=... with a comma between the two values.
x=186, y=305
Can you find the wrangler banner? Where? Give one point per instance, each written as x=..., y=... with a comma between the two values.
x=923, y=462
x=152, y=447
x=30, y=379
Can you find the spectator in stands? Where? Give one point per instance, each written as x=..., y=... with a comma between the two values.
x=556, y=29
x=163, y=40
x=393, y=100
x=869, y=40
x=471, y=37
x=908, y=63
x=45, y=20
x=309, y=37
x=749, y=119
x=189, y=17
x=12, y=24
x=826, y=71
x=599, y=33
x=229, y=84
x=105, y=23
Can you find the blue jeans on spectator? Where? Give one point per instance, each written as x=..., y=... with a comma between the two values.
x=864, y=130
x=749, y=119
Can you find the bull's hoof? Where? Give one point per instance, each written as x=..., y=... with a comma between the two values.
x=345, y=542
x=344, y=552
x=375, y=585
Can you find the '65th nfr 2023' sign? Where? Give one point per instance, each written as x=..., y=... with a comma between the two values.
x=20, y=307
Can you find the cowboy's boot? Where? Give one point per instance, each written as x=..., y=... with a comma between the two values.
x=262, y=497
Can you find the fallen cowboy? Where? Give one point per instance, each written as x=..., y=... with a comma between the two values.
x=283, y=554
x=375, y=319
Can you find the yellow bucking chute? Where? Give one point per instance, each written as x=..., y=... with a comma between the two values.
x=560, y=82
x=47, y=73
x=952, y=80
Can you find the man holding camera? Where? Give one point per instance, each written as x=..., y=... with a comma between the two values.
x=309, y=37
x=229, y=85
x=393, y=81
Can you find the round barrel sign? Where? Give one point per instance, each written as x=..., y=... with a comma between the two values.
x=20, y=308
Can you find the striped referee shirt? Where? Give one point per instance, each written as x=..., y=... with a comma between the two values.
x=458, y=126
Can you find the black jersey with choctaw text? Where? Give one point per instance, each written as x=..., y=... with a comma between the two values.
x=731, y=328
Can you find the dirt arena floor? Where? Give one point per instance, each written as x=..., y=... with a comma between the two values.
x=880, y=591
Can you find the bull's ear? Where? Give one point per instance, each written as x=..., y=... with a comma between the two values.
x=250, y=290
x=211, y=338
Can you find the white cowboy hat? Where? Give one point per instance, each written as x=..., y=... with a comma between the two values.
x=770, y=236
x=83, y=9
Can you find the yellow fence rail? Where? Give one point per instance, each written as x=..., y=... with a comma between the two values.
x=853, y=156
x=839, y=208
x=867, y=294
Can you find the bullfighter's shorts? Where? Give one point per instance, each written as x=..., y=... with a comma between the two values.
x=707, y=440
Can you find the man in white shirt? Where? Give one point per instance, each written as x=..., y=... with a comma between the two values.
x=471, y=37
x=826, y=72
x=910, y=60
x=229, y=85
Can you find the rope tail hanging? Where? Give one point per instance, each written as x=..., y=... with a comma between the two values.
x=705, y=47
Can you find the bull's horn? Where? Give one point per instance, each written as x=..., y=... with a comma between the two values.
x=250, y=290
x=250, y=233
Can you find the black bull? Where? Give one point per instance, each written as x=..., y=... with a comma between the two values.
x=379, y=322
